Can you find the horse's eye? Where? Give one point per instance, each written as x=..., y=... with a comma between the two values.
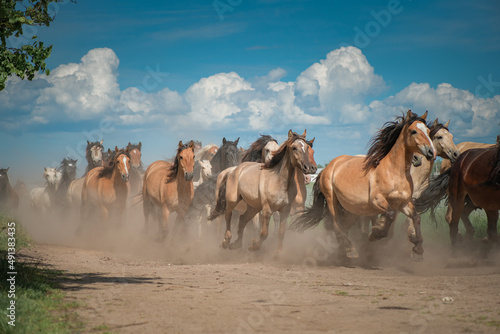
x=180, y=158
x=439, y=137
x=413, y=132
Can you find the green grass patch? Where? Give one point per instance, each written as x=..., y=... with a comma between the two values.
x=39, y=304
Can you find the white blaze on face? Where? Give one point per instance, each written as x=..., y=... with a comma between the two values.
x=124, y=159
x=423, y=128
x=302, y=145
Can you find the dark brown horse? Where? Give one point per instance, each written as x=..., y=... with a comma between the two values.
x=476, y=175
x=9, y=201
x=93, y=154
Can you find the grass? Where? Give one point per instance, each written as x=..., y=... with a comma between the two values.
x=40, y=304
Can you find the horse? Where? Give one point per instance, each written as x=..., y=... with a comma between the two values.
x=43, y=198
x=268, y=187
x=206, y=153
x=476, y=176
x=105, y=188
x=68, y=174
x=226, y=156
x=379, y=183
x=204, y=171
x=9, y=200
x=462, y=147
x=137, y=169
x=93, y=155
x=169, y=186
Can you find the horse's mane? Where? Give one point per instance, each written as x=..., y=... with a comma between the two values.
x=281, y=151
x=88, y=153
x=174, y=168
x=108, y=169
x=254, y=152
x=494, y=178
x=435, y=127
x=383, y=141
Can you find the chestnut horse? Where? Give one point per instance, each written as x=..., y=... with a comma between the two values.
x=476, y=175
x=106, y=188
x=268, y=187
x=169, y=186
x=379, y=183
x=9, y=200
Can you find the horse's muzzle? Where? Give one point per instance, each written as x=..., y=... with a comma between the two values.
x=309, y=169
x=453, y=155
x=428, y=152
x=125, y=178
x=189, y=176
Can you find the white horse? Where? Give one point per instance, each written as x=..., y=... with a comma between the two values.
x=205, y=172
x=42, y=198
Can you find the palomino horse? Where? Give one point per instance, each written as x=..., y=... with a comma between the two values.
x=9, y=200
x=380, y=183
x=169, y=186
x=106, y=189
x=137, y=170
x=68, y=174
x=93, y=154
x=43, y=198
x=476, y=175
x=266, y=187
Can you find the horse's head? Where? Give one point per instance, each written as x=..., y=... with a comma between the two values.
x=68, y=167
x=418, y=136
x=3, y=175
x=185, y=158
x=121, y=162
x=301, y=153
x=94, y=152
x=52, y=176
x=267, y=151
x=206, y=169
x=212, y=151
x=226, y=156
x=135, y=155
x=443, y=141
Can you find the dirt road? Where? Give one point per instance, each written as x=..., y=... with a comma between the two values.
x=141, y=286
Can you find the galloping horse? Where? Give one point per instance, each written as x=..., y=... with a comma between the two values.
x=379, y=183
x=137, y=169
x=476, y=175
x=169, y=186
x=9, y=200
x=266, y=187
x=105, y=188
x=43, y=198
x=226, y=156
x=93, y=154
x=68, y=174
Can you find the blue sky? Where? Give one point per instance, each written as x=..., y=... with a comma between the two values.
x=162, y=71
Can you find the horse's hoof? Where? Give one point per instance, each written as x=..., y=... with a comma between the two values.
x=225, y=243
x=417, y=257
x=235, y=245
x=351, y=253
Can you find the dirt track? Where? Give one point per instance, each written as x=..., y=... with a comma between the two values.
x=137, y=285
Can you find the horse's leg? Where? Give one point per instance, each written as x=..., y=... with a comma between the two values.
x=228, y=215
x=469, y=229
x=332, y=224
x=492, y=225
x=243, y=221
x=284, y=213
x=163, y=222
x=416, y=239
x=266, y=216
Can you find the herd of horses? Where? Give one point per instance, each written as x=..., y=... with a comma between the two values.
x=269, y=180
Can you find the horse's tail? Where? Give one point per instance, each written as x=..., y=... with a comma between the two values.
x=311, y=217
x=220, y=205
x=434, y=193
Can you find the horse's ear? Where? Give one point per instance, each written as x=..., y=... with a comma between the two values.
x=408, y=114
x=140, y=145
x=102, y=140
x=191, y=145
x=223, y=140
x=88, y=143
x=116, y=149
x=180, y=143
x=424, y=116
x=447, y=124
x=290, y=133
x=305, y=133
x=129, y=144
x=312, y=141
x=237, y=140
x=436, y=122
x=45, y=169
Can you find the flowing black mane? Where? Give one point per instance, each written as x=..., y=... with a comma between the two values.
x=281, y=151
x=254, y=152
x=226, y=156
x=383, y=141
x=172, y=170
x=108, y=169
